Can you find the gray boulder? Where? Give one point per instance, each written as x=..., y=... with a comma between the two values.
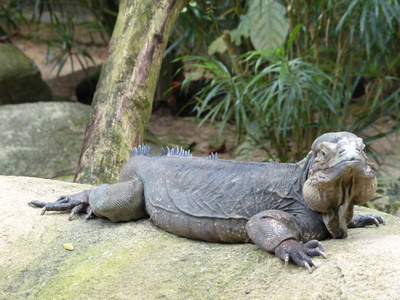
x=42, y=139
x=20, y=79
x=136, y=260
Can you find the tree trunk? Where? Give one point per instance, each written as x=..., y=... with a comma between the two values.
x=123, y=100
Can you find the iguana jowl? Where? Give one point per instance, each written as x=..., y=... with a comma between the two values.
x=283, y=208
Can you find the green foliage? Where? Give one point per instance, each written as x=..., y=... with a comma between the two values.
x=268, y=24
x=61, y=24
x=277, y=99
x=264, y=23
x=64, y=46
x=304, y=88
x=376, y=31
x=388, y=191
x=8, y=16
x=199, y=23
x=281, y=100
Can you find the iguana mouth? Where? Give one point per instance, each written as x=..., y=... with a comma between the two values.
x=355, y=161
x=355, y=167
x=349, y=164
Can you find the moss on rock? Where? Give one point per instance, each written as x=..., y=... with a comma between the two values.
x=42, y=139
x=136, y=260
x=20, y=79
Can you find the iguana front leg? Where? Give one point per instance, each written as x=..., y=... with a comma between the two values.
x=76, y=203
x=279, y=232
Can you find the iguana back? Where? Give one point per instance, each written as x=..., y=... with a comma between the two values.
x=212, y=199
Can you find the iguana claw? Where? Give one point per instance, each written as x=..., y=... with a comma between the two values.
x=300, y=253
x=322, y=254
x=286, y=260
x=307, y=266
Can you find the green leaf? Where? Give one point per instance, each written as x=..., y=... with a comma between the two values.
x=217, y=45
x=268, y=24
x=243, y=30
x=68, y=246
x=292, y=37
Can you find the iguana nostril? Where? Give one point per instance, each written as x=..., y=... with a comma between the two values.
x=341, y=151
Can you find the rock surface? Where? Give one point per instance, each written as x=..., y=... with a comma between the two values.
x=20, y=79
x=136, y=260
x=42, y=139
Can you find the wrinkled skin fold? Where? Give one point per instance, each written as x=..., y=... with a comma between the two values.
x=341, y=177
x=285, y=209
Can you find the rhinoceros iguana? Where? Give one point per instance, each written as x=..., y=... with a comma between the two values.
x=284, y=208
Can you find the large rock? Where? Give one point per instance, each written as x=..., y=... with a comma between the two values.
x=136, y=260
x=41, y=139
x=20, y=79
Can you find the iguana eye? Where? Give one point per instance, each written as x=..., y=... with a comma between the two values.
x=324, y=152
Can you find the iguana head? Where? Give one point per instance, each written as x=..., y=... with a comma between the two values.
x=340, y=177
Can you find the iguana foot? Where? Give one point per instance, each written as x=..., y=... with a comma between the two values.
x=76, y=203
x=362, y=221
x=299, y=252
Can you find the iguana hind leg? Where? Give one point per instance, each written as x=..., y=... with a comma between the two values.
x=279, y=232
x=118, y=202
x=123, y=201
x=76, y=203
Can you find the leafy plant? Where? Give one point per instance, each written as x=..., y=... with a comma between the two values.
x=283, y=99
x=7, y=19
x=59, y=29
x=280, y=100
x=198, y=24
x=64, y=47
x=387, y=195
x=264, y=23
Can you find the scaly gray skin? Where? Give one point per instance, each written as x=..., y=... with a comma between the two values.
x=283, y=208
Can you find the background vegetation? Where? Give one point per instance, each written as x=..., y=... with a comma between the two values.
x=285, y=88
x=282, y=72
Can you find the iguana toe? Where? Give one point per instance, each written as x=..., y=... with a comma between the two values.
x=299, y=253
x=77, y=209
x=362, y=221
x=380, y=220
x=314, y=248
x=89, y=213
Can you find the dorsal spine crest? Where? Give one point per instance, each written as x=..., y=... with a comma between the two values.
x=175, y=151
x=212, y=156
x=143, y=149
